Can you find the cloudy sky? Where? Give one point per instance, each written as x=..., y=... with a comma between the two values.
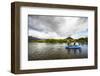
x=57, y=27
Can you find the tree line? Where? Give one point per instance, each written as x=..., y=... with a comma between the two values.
x=66, y=40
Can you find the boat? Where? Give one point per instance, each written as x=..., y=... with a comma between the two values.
x=73, y=47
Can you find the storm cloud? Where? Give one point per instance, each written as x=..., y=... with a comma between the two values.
x=57, y=26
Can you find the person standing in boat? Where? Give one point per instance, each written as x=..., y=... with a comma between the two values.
x=74, y=43
x=68, y=43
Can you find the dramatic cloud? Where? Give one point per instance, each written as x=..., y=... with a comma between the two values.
x=57, y=27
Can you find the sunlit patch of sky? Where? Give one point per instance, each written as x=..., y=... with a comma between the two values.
x=80, y=34
x=57, y=27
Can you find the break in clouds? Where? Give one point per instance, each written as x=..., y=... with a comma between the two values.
x=57, y=26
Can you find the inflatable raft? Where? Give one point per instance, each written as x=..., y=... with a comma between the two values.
x=73, y=47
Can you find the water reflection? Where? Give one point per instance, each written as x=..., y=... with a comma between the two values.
x=75, y=51
x=48, y=51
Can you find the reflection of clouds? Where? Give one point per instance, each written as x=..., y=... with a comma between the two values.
x=56, y=27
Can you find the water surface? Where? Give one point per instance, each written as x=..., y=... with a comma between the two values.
x=50, y=51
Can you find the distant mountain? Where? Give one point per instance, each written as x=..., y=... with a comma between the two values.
x=30, y=38
x=69, y=38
